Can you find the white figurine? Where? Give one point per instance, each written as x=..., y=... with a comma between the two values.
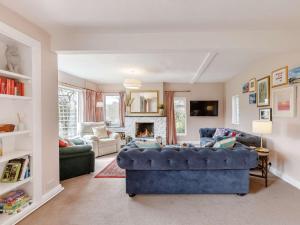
x=13, y=58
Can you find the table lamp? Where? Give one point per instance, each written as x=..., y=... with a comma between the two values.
x=261, y=127
x=99, y=105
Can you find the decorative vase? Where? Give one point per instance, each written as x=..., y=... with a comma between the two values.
x=21, y=126
x=127, y=110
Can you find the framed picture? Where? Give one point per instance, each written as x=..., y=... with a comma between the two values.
x=280, y=77
x=252, y=98
x=294, y=75
x=263, y=92
x=252, y=85
x=265, y=114
x=284, y=102
x=246, y=87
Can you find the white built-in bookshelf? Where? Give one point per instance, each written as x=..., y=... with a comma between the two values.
x=27, y=141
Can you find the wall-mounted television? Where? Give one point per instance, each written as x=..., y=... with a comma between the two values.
x=204, y=108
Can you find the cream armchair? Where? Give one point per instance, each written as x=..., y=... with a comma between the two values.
x=101, y=146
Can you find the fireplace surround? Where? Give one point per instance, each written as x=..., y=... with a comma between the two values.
x=159, y=128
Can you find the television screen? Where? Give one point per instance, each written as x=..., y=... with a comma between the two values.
x=204, y=108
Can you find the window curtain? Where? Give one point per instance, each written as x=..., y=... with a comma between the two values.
x=170, y=113
x=91, y=113
x=122, y=109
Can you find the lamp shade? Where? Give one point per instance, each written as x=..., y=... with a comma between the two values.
x=132, y=84
x=261, y=127
x=99, y=105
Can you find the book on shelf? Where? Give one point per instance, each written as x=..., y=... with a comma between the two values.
x=11, y=86
x=14, y=201
x=16, y=170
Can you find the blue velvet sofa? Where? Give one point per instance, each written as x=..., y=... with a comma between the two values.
x=206, y=135
x=187, y=170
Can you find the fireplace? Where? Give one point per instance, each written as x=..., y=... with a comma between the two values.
x=144, y=130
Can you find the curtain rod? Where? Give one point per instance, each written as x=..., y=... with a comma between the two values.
x=182, y=91
x=82, y=88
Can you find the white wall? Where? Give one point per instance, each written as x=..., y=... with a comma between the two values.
x=200, y=91
x=50, y=158
x=284, y=142
x=66, y=78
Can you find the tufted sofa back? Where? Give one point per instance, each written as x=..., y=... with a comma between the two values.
x=243, y=137
x=86, y=128
x=207, y=132
x=187, y=158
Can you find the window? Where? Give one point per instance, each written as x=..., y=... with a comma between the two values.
x=112, y=113
x=235, y=109
x=69, y=111
x=180, y=115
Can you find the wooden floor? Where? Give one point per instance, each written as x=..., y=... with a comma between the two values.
x=90, y=201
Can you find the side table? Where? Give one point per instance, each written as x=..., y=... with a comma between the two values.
x=263, y=164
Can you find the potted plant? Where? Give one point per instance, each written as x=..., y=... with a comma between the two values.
x=161, y=108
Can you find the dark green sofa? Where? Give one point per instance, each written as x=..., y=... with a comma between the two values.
x=76, y=160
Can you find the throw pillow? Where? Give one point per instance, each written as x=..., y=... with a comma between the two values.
x=62, y=143
x=147, y=144
x=100, y=132
x=225, y=143
x=220, y=132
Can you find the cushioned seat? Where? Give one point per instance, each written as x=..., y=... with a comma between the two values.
x=107, y=141
x=187, y=170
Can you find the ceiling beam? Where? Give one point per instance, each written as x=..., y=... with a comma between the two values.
x=203, y=66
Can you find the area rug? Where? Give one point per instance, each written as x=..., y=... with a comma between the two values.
x=112, y=170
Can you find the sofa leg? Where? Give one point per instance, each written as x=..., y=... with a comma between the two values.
x=241, y=194
x=131, y=195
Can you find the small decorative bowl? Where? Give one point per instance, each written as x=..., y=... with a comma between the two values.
x=7, y=127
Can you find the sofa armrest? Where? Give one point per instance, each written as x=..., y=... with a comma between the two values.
x=115, y=136
x=90, y=138
x=207, y=132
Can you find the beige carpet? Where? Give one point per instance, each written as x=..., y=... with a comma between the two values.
x=90, y=201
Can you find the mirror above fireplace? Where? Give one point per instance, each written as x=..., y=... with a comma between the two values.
x=144, y=102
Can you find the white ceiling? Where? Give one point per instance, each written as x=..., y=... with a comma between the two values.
x=221, y=37
x=159, y=15
x=155, y=67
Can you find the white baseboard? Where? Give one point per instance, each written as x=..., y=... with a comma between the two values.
x=50, y=194
x=285, y=177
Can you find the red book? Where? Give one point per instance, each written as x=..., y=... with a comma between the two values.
x=8, y=85
x=12, y=87
x=22, y=91
x=3, y=85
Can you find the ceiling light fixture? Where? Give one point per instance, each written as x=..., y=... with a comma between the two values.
x=132, y=84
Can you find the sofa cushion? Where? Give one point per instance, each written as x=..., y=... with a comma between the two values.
x=75, y=149
x=225, y=143
x=107, y=142
x=85, y=128
x=100, y=132
x=220, y=132
x=205, y=140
